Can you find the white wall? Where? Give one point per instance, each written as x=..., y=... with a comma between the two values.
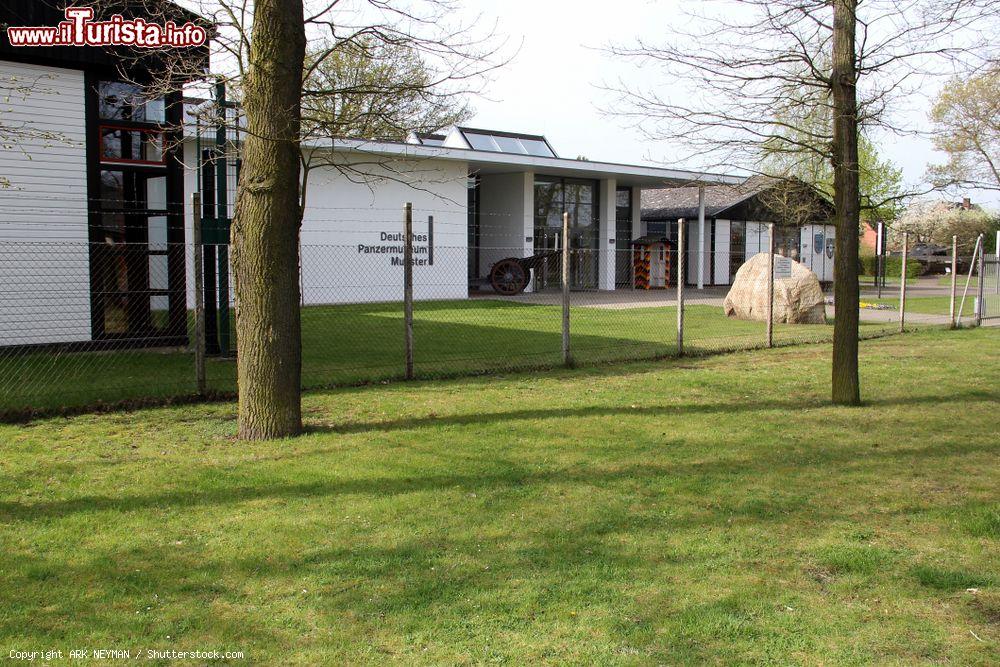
x=353, y=212
x=506, y=217
x=694, y=253
x=350, y=217
x=607, y=221
x=637, y=225
x=820, y=263
x=722, y=242
x=44, y=252
x=756, y=238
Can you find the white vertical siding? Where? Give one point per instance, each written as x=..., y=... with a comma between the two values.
x=756, y=238
x=44, y=254
x=820, y=263
x=607, y=256
x=721, y=276
x=694, y=253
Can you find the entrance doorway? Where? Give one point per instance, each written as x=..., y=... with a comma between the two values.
x=553, y=196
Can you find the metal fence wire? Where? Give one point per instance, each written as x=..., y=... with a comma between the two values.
x=89, y=320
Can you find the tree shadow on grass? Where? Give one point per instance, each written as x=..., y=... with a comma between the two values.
x=510, y=477
x=666, y=411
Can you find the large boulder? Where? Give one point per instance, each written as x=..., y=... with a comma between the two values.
x=797, y=299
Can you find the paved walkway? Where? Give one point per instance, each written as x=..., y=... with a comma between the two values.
x=624, y=299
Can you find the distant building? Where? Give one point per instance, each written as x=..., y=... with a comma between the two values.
x=736, y=221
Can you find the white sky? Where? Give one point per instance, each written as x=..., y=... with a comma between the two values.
x=551, y=87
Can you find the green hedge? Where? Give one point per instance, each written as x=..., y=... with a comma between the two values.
x=867, y=265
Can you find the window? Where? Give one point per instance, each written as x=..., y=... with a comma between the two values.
x=537, y=147
x=737, y=247
x=510, y=145
x=553, y=196
x=482, y=142
x=123, y=101
x=138, y=146
x=137, y=260
x=503, y=142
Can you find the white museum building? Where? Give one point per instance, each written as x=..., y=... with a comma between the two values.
x=97, y=223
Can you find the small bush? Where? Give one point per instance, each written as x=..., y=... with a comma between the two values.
x=868, y=265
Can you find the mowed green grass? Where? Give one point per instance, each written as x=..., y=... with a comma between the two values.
x=941, y=305
x=926, y=305
x=364, y=343
x=714, y=510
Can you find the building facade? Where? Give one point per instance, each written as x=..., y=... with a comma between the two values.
x=97, y=223
x=727, y=224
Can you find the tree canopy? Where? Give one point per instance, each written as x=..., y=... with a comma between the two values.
x=378, y=90
x=966, y=126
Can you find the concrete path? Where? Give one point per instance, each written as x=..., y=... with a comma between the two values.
x=624, y=299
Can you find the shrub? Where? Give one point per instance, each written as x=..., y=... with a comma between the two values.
x=867, y=265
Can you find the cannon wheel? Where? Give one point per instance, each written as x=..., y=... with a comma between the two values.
x=508, y=277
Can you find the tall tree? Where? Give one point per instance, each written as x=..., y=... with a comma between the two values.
x=847, y=202
x=730, y=65
x=259, y=54
x=265, y=232
x=937, y=222
x=966, y=127
x=882, y=190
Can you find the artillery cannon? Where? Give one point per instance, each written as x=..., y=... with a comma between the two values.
x=511, y=275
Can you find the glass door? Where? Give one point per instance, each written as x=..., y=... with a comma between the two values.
x=553, y=197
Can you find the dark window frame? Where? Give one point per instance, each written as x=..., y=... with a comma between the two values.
x=142, y=325
x=162, y=162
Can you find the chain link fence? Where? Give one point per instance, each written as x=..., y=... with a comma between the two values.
x=101, y=319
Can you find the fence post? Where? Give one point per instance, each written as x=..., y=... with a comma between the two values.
x=965, y=290
x=982, y=280
x=567, y=354
x=199, y=294
x=770, y=284
x=408, y=287
x=902, y=285
x=879, y=261
x=954, y=279
x=681, y=268
x=996, y=256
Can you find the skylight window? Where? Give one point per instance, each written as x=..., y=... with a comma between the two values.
x=505, y=142
x=482, y=142
x=537, y=147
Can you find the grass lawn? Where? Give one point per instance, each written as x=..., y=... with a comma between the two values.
x=945, y=281
x=712, y=510
x=940, y=305
x=927, y=305
x=889, y=280
x=363, y=343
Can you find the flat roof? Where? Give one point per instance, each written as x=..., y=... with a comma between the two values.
x=491, y=162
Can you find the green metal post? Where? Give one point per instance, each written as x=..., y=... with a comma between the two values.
x=222, y=217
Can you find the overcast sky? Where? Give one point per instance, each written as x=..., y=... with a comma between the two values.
x=552, y=86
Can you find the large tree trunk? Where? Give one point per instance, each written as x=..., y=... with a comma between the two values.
x=847, y=201
x=265, y=234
